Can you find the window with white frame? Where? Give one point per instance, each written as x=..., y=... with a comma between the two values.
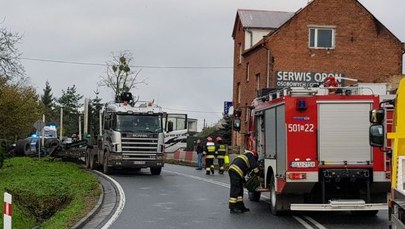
x=322, y=37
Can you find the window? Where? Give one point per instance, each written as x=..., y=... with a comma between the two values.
x=247, y=72
x=322, y=37
x=238, y=92
x=258, y=81
x=240, y=54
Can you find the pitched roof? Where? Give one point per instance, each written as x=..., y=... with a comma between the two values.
x=263, y=19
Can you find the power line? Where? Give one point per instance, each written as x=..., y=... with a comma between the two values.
x=210, y=112
x=135, y=66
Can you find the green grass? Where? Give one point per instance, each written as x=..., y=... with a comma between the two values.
x=46, y=192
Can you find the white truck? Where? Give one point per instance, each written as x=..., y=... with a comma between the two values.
x=132, y=136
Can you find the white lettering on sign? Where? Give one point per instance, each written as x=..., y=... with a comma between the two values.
x=304, y=79
x=300, y=127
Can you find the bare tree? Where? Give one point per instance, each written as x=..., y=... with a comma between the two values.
x=120, y=76
x=10, y=67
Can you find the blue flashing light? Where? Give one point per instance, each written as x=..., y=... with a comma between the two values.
x=301, y=105
x=34, y=136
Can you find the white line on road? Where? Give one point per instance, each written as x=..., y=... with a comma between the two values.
x=305, y=224
x=121, y=203
x=225, y=185
x=320, y=226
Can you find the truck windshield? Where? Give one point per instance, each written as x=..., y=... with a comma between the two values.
x=139, y=123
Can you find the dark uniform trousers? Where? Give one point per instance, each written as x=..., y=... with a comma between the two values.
x=221, y=152
x=236, y=192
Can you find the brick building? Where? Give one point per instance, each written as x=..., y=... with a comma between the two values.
x=278, y=49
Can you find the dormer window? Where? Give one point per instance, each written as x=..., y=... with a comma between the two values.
x=322, y=37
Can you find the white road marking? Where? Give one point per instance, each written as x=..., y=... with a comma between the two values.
x=305, y=224
x=265, y=198
x=121, y=203
x=320, y=226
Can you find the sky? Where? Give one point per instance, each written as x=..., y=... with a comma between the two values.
x=184, y=46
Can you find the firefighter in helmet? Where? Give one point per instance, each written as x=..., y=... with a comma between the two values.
x=239, y=168
x=220, y=153
x=209, y=156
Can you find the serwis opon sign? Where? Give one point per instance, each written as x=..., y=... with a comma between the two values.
x=304, y=79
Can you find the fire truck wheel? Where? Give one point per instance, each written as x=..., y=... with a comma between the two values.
x=87, y=157
x=22, y=147
x=254, y=196
x=155, y=170
x=106, y=169
x=275, y=206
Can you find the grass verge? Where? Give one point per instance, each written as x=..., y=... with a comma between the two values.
x=46, y=192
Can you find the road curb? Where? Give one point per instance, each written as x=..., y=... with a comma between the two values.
x=96, y=208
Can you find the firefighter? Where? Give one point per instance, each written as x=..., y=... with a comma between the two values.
x=239, y=168
x=220, y=153
x=209, y=156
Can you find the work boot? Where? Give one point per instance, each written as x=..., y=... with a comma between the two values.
x=212, y=171
x=236, y=211
x=207, y=173
x=245, y=209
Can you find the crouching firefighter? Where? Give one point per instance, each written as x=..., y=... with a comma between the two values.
x=210, y=156
x=239, y=168
x=220, y=154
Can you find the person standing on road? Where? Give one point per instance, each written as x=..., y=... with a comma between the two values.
x=199, y=149
x=220, y=151
x=239, y=168
x=209, y=156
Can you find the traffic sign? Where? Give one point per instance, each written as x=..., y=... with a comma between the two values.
x=39, y=125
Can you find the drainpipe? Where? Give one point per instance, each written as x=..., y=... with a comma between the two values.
x=267, y=65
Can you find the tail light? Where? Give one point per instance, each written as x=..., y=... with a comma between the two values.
x=297, y=176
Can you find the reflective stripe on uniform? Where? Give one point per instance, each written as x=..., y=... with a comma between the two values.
x=236, y=169
x=233, y=200
x=240, y=199
x=243, y=157
x=220, y=156
x=210, y=156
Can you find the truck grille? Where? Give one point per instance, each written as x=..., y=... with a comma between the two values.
x=134, y=147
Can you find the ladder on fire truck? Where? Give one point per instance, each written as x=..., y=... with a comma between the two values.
x=388, y=124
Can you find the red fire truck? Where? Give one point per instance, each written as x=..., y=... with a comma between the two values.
x=314, y=147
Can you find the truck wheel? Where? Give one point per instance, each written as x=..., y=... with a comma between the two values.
x=93, y=162
x=155, y=170
x=22, y=147
x=106, y=169
x=87, y=157
x=254, y=196
x=275, y=205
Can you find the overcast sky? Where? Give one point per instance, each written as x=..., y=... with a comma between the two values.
x=160, y=33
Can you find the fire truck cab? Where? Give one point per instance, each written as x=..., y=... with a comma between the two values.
x=313, y=145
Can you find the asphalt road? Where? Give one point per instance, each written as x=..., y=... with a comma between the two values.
x=182, y=197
